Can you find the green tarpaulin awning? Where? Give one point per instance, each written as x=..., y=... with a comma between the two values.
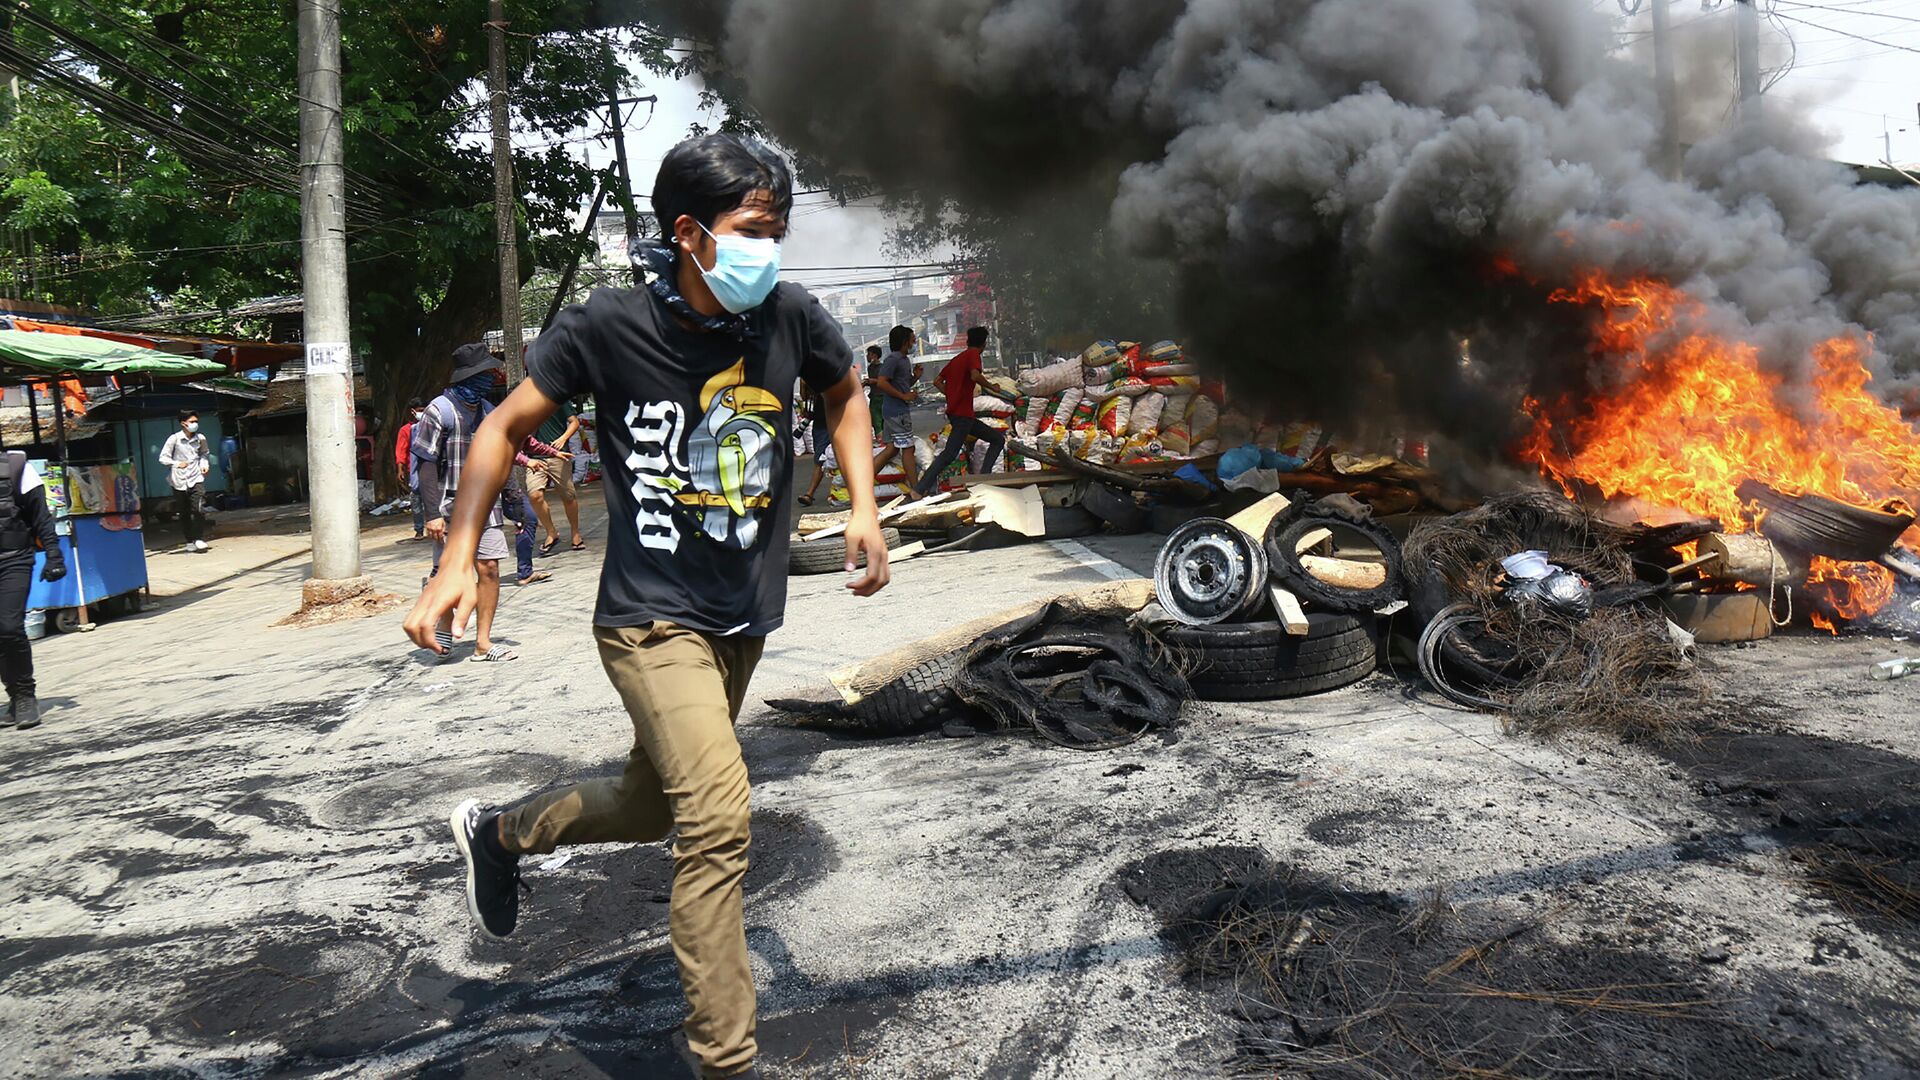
x=72, y=354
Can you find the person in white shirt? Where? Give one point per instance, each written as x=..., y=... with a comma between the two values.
x=188, y=459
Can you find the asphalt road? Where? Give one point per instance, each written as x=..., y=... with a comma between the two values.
x=226, y=857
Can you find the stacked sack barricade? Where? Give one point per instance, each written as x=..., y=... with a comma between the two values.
x=1284, y=599
x=1121, y=402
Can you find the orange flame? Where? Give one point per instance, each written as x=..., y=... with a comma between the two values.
x=1689, y=414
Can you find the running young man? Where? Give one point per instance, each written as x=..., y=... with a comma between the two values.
x=962, y=380
x=692, y=376
x=188, y=461
x=895, y=382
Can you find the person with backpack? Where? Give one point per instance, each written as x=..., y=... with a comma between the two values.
x=440, y=443
x=25, y=520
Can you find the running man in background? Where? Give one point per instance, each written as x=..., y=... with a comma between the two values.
x=960, y=379
x=895, y=383
x=188, y=462
x=693, y=375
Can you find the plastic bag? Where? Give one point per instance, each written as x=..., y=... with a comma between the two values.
x=1063, y=408
x=1175, y=439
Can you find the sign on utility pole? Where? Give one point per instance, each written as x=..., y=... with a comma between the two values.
x=333, y=485
x=1746, y=42
x=504, y=224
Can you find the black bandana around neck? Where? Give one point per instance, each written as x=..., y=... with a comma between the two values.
x=656, y=261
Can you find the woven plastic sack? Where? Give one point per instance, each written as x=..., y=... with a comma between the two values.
x=988, y=405
x=1050, y=380
x=1146, y=413
x=1063, y=407
x=1100, y=353
x=1204, y=421
x=1027, y=412
x=1236, y=428
x=1083, y=414
x=1300, y=440
x=1113, y=414
x=1165, y=352
x=1080, y=440
x=1175, y=439
x=1205, y=447
x=1053, y=440
x=1185, y=384
x=1142, y=447
x=1105, y=373
x=1104, y=450
x=1166, y=371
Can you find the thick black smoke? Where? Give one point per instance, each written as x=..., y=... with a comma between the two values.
x=1334, y=179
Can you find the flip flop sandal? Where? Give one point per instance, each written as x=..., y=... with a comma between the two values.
x=497, y=654
x=581, y=546
x=806, y=500
x=547, y=548
x=444, y=639
x=534, y=578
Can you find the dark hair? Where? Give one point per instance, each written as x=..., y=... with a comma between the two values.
x=415, y=403
x=976, y=336
x=189, y=414
x=708, y=175
x=898, y=337
x=873, y=350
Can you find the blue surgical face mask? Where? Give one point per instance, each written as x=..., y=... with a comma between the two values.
x=745, y=270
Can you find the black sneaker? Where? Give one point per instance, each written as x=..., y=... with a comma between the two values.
x=25, y=712
x=493, y=886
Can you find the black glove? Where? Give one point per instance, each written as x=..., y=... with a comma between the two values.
x=54, y=570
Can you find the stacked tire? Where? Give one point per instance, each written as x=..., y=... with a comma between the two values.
x=1260, y=661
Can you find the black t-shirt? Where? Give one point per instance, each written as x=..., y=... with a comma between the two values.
x=697, y=451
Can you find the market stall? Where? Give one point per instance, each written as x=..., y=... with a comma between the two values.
x=96, y=505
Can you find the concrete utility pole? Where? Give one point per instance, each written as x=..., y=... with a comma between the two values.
x=333, y=488
x=504, y=223
x=625, y=194
x=1746, y=42
x=1663, y=90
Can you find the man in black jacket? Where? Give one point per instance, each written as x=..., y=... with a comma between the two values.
x=24, y=520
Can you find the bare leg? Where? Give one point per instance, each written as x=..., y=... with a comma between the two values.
x=907, y=466
x=539, y=500
x=886, y=455
x=818, y=473
x=486, y=601
x=573, y=516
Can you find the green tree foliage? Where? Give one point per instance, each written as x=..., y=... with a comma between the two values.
x=150, y=161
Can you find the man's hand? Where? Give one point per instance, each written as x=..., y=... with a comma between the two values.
x=54, y=570
x=910, y=396
x=863, y=534
x=451, y=590
x=564, y=455
x=437, y=530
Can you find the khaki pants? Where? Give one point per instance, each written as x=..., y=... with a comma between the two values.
x=684, y=690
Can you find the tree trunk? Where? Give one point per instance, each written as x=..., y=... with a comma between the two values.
x=412, y=356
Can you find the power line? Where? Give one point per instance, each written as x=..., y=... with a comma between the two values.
x=1846, y=11
x=1843, y=33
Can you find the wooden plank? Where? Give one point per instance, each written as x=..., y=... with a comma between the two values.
x=1254, y=519
x=1345, y=573
x=1312, y=540
x=893, y=510
x=1014, y=509
x=905, y=551
x=1286, y=606
x=1016, y=479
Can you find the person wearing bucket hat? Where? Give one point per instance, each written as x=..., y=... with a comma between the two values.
x=441, y=443
x=693, y=377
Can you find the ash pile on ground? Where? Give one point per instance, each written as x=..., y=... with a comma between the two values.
x=1327, y=981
